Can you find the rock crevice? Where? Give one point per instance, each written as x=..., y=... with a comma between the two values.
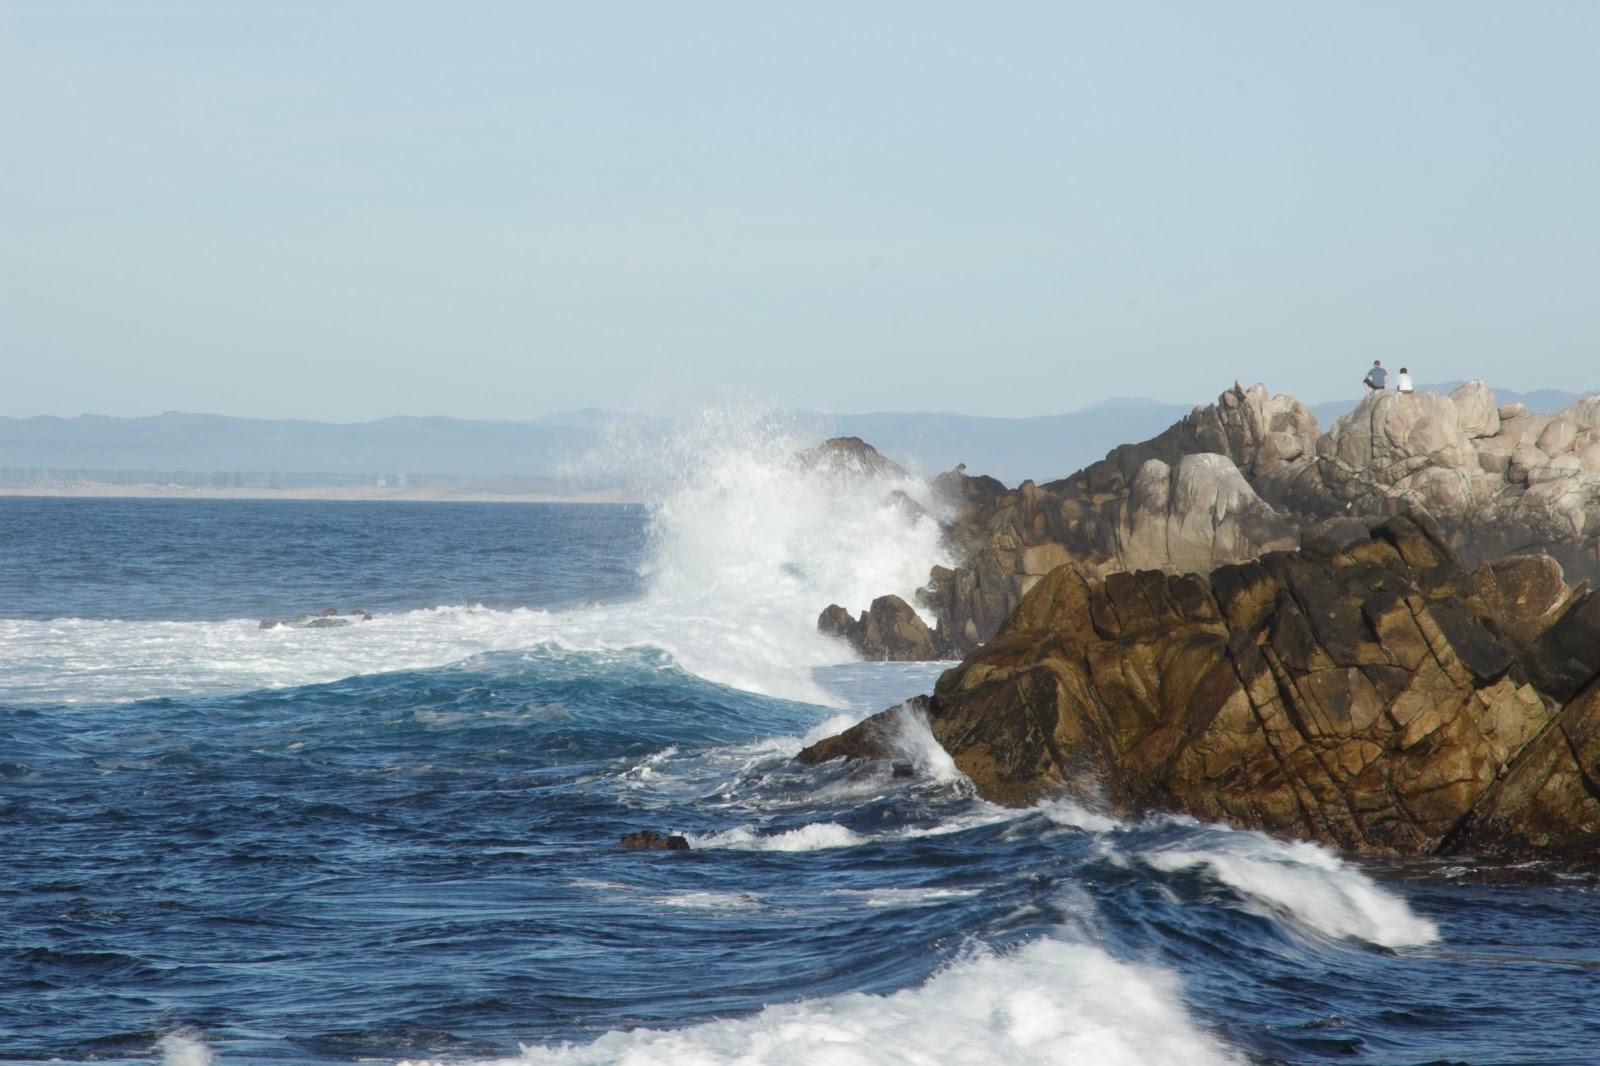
x=1378, y=696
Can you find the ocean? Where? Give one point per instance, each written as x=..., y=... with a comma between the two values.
x=395, y=840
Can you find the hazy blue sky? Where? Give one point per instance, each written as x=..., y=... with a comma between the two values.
x=349, y=210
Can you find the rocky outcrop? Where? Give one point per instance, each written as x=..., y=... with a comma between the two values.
x=650, y=840
x=1251, y=474
x=889, y=630
x=850, y=457
x=1190, y=514
x=1376, y=696
x=1193, y=516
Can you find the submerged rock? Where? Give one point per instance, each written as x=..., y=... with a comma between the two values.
x=650, y=840
x=327, y=618
x=1375, y=696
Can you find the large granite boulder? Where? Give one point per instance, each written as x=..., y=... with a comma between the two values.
x=1192, y=517
x=1377, y=697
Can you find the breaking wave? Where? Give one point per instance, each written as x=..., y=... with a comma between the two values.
x=1047, y=1001
x=748, y=542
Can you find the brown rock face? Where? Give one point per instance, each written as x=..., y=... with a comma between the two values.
x=1374, y=696
x=1193, y=513
x=889, y=630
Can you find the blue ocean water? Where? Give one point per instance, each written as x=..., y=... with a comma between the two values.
x=396, y=839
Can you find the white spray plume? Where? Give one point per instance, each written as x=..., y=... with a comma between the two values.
x=184, y=1047
x=747, y=545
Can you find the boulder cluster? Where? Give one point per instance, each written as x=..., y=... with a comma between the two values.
x=1248, y=475
x=1377, y=696
x=1365, y=637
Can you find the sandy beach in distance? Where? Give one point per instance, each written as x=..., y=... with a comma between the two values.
x=97, y=490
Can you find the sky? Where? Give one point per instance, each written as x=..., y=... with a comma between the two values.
x=344, y=211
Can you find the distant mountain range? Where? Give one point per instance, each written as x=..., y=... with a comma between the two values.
x=198, y=447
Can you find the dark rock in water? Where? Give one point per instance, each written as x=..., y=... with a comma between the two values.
x=904, y=769
x=649, y=840
x=327, y=618
x=1371, y=696
x=889, y=630
x=869, y=739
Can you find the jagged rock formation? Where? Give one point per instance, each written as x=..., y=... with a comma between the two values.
x=1193, y=513
x=1251, y=473
x=889, y=630
x=1376, y=696
x=1498, y=479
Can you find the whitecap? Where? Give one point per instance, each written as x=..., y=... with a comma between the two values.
x=905, y=897
x=714, y=901
x=813, y=837
x=1302, y=881
x=184, y=1047
x=1048, y=1001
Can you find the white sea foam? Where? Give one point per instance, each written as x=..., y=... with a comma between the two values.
x=905, y=897
x=711, y=901
x=820, y=835
x=813, y=837
x=1047, y=1002
x=747, y=546
x=184, y=1048
x=1304, y=882
x=1065, y=813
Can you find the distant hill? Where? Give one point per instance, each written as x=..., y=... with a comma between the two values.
x=191, y=442
x=192, y=447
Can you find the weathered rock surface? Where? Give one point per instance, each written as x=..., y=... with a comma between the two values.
x=1251, y=473
x=1375, y=696
x=889, y=630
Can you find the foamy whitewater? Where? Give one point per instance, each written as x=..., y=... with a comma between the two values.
x=395, y=840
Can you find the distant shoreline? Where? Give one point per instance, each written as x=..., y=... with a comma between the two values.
x=338, y=493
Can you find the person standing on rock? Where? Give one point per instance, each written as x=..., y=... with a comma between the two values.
x=1403, y=382
x=1377, y=378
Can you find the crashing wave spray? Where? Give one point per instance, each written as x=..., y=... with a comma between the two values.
x=748, y=542
x=751, y=538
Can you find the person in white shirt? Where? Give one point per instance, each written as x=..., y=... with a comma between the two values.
x=1403, y=382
